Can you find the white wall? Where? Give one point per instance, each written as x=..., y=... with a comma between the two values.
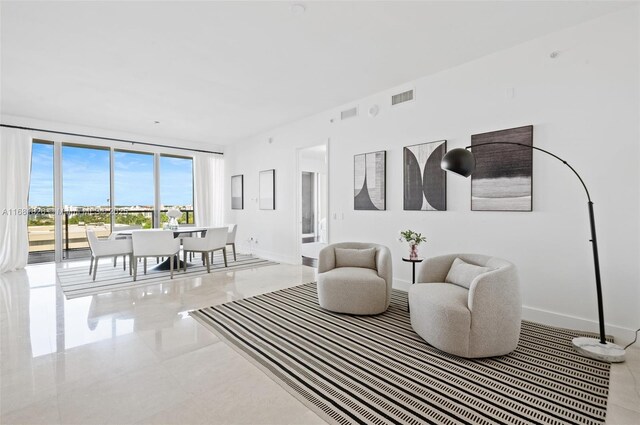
x=312, y=164
x=584, y=106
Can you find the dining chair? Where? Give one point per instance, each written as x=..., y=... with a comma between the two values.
x=107, y=248
x=184, y=235
x=128, y=228
x=231, y=239
x=154, y=243
x=215, y=239
x=116, y=235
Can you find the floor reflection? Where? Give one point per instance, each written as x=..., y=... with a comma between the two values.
x=37, y=319
x=67, y=361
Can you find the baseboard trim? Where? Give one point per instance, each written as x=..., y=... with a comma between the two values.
x=621, y=334
x=401, y=285
x=268, y=255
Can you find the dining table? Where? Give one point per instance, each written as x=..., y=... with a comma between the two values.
x=165, y=265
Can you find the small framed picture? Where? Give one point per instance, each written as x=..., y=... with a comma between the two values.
x=237, y=192
x=267, y=190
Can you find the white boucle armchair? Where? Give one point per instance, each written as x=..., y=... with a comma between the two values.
x=481, y=321
x=345, y=286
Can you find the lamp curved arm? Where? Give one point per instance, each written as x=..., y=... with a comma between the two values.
x=593, y=240
x=541, y=150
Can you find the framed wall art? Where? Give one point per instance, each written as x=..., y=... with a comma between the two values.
x=502, y=180
x=237, y=192
x=267, y=190
x=425, y=183
x=369, y=181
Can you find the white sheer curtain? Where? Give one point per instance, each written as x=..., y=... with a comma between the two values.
x=208, y=170
x=15, y=168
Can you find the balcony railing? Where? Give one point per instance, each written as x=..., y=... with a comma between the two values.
x=75, y=223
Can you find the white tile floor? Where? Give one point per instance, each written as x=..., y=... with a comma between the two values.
x=70, y=361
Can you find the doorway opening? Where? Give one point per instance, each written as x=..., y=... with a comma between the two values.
x=313, y=202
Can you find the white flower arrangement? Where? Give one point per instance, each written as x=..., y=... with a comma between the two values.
x=412, y=237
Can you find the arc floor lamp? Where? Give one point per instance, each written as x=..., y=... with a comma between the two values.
x=462, y=162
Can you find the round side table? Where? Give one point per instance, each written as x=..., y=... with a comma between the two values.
x=413, y=262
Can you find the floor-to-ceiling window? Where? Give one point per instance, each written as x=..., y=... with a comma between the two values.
x=134, y=189
x=176, y=187
x=79, y=187
x=86, y=192
x=41, y=225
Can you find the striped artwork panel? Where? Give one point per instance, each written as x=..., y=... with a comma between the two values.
x=376, y=370
x=76, y=281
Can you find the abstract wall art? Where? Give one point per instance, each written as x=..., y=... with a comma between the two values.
x=237, y=192
x=267, y=195
x=502, y=180
x=369, y=181
x=425, y=183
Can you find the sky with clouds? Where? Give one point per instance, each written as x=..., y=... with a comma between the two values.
x=85, y=178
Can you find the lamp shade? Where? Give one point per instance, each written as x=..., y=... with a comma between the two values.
x=174, y=213
x=459, y=161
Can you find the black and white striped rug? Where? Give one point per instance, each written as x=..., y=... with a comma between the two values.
x=376, y=370
x=76, y=282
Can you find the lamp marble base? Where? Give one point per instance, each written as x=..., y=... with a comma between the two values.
x=593, y=348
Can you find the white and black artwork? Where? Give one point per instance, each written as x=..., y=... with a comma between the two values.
x=237, y=192
x=502, y=180
x=425, y=183
x=267, y=199
x=369, y=181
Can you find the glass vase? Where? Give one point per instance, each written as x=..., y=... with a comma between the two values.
x=413, y=252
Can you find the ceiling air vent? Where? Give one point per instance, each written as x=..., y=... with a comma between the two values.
x=405, y=96
x=349, y=113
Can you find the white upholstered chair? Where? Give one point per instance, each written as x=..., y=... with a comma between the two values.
x=116, y=235
x=154, y=243
x=116, y=229
x=215, y=239
x=101, y=248
x=183, y=236
x=355, y=278
x=477, y=316
x=231, y=239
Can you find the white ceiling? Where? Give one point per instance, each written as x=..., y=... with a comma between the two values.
x=219, y=71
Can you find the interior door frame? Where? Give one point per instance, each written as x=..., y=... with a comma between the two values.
x=298, y=197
